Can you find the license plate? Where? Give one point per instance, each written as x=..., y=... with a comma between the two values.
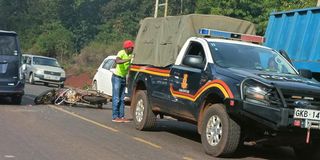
x=51, y=77
x=309, y=114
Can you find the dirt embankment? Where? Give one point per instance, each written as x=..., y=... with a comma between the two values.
x=82, y=81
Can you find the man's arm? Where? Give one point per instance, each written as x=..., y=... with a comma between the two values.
x=121, y=61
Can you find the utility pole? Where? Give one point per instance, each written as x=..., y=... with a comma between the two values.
x=166, y=9
x=181, y=7
x=160, y=5
x=156, y=9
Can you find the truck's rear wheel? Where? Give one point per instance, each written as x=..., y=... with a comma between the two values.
x=220, y=135
x=143, y=116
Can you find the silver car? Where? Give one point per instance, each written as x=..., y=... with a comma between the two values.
x=43, y=69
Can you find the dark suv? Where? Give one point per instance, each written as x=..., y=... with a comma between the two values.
x=11, y=77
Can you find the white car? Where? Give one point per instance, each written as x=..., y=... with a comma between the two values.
x=43, y=69
x=102, y=79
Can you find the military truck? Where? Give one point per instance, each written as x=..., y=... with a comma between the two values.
x=232, y=88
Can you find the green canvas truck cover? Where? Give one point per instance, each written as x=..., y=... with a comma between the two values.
x=159, y=40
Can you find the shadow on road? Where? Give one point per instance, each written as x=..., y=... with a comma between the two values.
x=190, y=132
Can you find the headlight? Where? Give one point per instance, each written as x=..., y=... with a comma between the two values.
x=63, y=74
x=39, y=71
x=255, y=92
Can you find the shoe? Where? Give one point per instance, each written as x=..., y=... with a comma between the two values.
x=117, y=120
x=125, y=120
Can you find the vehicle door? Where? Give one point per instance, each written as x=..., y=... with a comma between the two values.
x=9, y=59
x=186, y=81
x=104, y=83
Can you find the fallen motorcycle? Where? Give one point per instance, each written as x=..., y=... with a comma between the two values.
x=69, y=96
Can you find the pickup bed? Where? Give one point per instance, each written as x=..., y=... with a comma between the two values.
x=233, y=91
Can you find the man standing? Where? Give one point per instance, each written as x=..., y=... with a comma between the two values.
x=123, y=62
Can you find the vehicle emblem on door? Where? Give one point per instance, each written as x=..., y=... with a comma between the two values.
x=184, y=83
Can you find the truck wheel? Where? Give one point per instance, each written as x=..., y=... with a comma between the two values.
x=31, y=78
x=220, y=135
x=308, y=151
x=143, y=117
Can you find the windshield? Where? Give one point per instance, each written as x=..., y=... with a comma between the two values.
x=45, y=61
x=8, y=45
x=249, y=57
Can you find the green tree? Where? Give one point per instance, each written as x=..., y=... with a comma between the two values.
x=56, y=41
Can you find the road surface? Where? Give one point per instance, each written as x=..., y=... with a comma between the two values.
x=48, y=132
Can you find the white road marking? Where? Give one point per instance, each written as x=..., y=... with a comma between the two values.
x=83, y=118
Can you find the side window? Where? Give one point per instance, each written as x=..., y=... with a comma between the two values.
x=23, y=59
x=114, y=64
x=109, y=64
x=195, y=49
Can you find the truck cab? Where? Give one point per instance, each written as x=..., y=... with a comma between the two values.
x=11, y=76
x=234, y=91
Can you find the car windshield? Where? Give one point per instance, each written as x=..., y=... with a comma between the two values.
x=249, y=57
x=45, y=61
x=8, y=45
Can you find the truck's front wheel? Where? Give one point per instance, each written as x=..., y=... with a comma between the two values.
x=220, y=135
x=143, y=116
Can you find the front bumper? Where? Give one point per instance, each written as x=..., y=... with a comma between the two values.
x=41, y=78
x=275, y=118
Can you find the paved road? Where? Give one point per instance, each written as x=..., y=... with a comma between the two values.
x=47, y=132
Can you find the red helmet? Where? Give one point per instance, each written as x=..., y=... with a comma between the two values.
x=128, y=44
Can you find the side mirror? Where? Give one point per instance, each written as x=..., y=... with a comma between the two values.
x=306, y=73
x=193, y=61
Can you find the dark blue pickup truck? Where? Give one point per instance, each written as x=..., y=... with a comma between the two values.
x=234, y=91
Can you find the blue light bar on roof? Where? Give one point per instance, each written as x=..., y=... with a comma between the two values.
x=214, y=33
x=230, y=35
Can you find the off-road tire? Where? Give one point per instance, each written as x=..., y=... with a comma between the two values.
x=229, y=137
x=148, y=120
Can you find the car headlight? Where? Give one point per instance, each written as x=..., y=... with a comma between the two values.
x=256, y=92
x=63, y=74
x=39, y=71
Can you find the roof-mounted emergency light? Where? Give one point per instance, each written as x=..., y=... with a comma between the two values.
x=231, y=35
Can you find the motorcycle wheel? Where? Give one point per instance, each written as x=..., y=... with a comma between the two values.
x=46, y=97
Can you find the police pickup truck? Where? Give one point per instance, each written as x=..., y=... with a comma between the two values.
x=234, y=91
